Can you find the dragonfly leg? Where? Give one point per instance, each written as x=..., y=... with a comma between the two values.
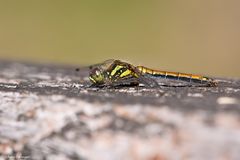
x=131, y=81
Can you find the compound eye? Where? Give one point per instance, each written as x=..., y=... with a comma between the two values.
x=96, y=71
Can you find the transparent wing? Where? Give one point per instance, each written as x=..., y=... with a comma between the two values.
x=174, y=82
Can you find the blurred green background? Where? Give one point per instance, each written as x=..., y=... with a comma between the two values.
x=189, y=36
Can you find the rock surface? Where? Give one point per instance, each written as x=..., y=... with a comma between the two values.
x=50, y=112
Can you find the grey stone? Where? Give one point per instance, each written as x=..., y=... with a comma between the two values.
x=51, y=112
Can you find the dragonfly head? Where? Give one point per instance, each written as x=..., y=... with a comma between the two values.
x=97, y=71
x=96, y=76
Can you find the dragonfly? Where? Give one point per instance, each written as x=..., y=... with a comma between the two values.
x=118, y=73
